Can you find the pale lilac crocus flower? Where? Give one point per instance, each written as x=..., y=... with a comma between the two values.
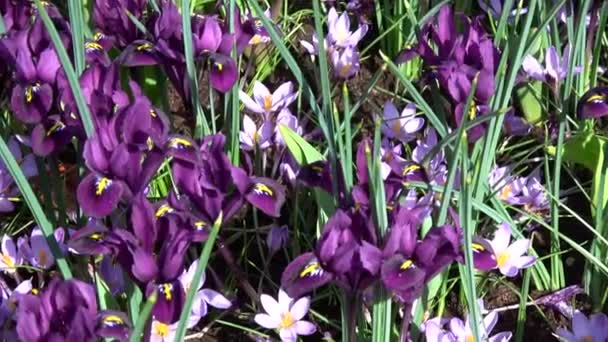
x=252, y=136
x=594, y=328
x=37, y=251
x=339, y=33
x=555, y=68
x=463, y=333
x=9, y=258
x=286, y=316
x=533, y=194
x=510, y=258
x=506, y=186
x=204, y=297
x=345, y=63
x=402, y=126
x=264, y=102
x=460, y=331
x=162, y=332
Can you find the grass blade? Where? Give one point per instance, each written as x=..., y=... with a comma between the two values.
x=77, y=24
x=143, y=318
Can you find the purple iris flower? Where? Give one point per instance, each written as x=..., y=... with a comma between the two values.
x=67, y=310
x=125, y=152
x=402, y=127
x=555, y=69
x=346, y=252
x=112, y=274
x=410, y=263
x=109, y=17
x=339, y=33
x=263, y=193
x=594, y=103
x=32, y=96
x=16, y=14
x=253, y=136
x=592, y=328
x=457, y=60
x=264, y=102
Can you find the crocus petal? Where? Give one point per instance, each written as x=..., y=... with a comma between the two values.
x=519, y=247
x=552, y=63
x=457, y=327
x=502, y=236
x=250, y=103
x=215, y=299
x=300, y=308
x=260, y=92
x=490, y=321
x=288, y=335
x=523, y=262
x=270, y=305
x=501, y=337
x=533, y=68
x=284, y=91
x=580, y=324
x=266, y=321
x=304, y=328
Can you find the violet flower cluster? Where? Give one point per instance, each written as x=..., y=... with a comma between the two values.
x=458, y=60
x=139, y=239
x=340, y=44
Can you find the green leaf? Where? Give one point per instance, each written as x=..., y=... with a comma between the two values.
x=588, y=150
x=303, y=152
x=528, y=100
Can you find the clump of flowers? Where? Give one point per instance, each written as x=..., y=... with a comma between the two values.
x=340, y=44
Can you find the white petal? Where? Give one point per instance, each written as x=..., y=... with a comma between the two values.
x=267, y=321
x=271, y=306
x=533, y=68
x=300, y=308
x=250, y=103
x=502, y=236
